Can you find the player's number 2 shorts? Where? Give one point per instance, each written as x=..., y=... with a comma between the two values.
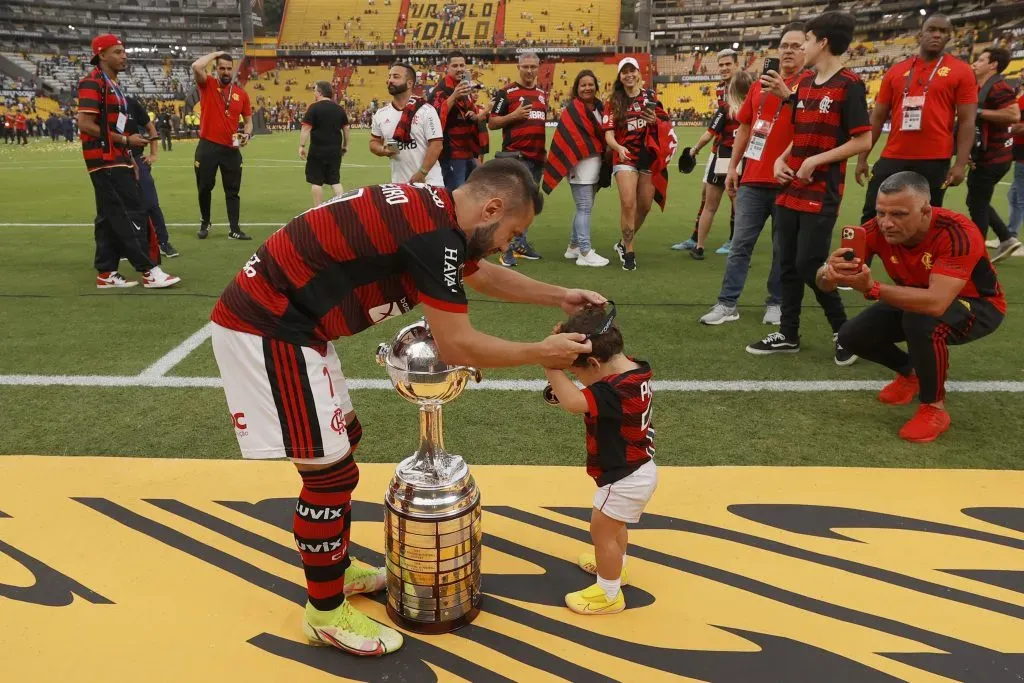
x=285, y=400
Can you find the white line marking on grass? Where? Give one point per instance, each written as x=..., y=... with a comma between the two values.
x=178, y=353
x=688, y=386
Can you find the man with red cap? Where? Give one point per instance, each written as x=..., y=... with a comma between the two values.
x=121, y=227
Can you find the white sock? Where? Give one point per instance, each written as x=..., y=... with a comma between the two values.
x=609, y=586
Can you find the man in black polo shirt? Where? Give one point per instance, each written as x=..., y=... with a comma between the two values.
x=139, y=122
x=325, y=129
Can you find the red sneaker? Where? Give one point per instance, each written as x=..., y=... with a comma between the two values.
x=926, y=425
x=900, y=391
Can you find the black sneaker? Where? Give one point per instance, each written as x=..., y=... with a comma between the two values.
x=843, y=357
x=168, y=250
x=238, y=235
x=621, y=251
x=697, y=253
x=204, y=230
x=525, y=250
x=629, y=261
x=776, y=342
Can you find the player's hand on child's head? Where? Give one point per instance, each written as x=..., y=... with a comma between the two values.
x=575, y=299
x=561, y=350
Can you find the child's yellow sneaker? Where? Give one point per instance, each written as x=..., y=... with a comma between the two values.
x=592, y=601
x=349, y=630
x=588, y=563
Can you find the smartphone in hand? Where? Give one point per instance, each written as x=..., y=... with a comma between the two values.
x=772, y=64
x=854, y=241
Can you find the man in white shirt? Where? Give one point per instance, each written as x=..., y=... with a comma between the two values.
x=414, y=146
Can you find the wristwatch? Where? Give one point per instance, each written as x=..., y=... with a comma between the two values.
x=424, y=172
x=874, y=293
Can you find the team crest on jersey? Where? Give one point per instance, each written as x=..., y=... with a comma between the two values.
x=825, y=104
x=944, y=71
x=234, y=96
x=926, y=260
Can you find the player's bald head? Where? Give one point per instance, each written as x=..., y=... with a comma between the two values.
x=511, y=181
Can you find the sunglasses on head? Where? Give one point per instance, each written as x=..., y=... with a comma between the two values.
x=606, y=323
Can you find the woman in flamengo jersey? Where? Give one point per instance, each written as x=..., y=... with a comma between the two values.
x=628, y=112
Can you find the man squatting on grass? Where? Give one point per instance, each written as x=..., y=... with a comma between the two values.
x=336, y=270
x=945, y=292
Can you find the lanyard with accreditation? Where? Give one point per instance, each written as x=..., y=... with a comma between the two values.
x=913, y=107
x=762, y=128
x=122, y=104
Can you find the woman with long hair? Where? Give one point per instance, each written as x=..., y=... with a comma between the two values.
x=714, y=185
x=629, y=111
x=585, y=174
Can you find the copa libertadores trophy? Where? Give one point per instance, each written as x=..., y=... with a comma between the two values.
x=432, y=507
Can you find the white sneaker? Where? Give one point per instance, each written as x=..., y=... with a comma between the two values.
x=772, y=315
x=158, y=279
x=720, y=314
x=992, y=243
x=591, y=258
x=572, y=252
x=113, y=280
x=1007, y=248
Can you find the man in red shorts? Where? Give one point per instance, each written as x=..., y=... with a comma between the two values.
x=346, y=265
x=945, y=293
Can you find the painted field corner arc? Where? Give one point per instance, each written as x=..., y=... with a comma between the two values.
x=174, y=570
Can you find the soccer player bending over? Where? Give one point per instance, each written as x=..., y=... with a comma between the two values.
x=616, y=408
x=945, y=292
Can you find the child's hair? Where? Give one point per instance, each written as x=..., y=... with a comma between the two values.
x=589, y=320
x=739, y=86
x=837, y=27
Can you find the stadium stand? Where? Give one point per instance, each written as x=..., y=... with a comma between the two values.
x=584, y=22
x=356, y=23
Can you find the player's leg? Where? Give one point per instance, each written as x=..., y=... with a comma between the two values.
x=318, y=194
x=332, y=174
x=644, y=198
x=206, y=180
x=285, y=402
x=713, y=199
x=626, y=180
x=231, y=177
x=315, y=178
x=787, y=339
x=813, y=248
x=120, y=207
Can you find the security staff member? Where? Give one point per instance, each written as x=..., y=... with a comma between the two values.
x=221, y=102
x=163, y=124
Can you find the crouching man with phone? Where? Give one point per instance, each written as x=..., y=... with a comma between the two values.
x=945, y=292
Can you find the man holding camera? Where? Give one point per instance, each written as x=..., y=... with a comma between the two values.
x=221, y=103
x=926, y=96
x=451, y=100
x=945, y=292
x=519, y=111
x=407, y=130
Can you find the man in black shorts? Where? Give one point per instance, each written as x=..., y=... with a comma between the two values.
x=325, y=129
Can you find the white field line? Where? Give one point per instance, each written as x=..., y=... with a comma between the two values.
x=689, y=386
x=178, y=353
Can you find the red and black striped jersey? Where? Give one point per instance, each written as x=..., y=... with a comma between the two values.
x=98, y=95
x=720, y=89
x=528, y=136
x=365, y=256
x=631, y=130
x=620, y=435
x=724, y=128
x=953, y=246
x=461, y=133
x=825, y=116
x=997, y=142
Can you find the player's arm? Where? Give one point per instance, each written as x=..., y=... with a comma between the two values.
x=304, y=138
x=879, y=115
x=154, y=143
x=934, y=301
x=433, y=153
x=247, y=126
x=568, y=394
x=504, y=283
x=88, y=123
x=707, y=137
x=857, y=144
x=344, y=137
x=500, y=116
x=200, y=65
x=460, y=344
x=739, y=146
x=377, y=146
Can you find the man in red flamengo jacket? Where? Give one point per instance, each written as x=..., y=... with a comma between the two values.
x=221, y=102
x=21, y=126
x=519, y=111
x=945, y=293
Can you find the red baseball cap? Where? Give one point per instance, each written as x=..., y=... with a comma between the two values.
x=101, y=43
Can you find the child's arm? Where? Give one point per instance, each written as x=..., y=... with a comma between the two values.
x=569, y=397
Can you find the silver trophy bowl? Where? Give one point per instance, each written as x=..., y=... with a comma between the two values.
x=432, y=506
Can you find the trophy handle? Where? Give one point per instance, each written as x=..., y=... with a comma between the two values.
x=383, y=351
x=474, y=374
